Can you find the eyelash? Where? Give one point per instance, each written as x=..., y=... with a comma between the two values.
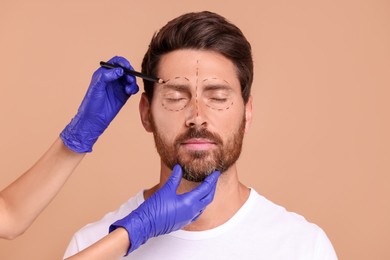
x=174, y=99
x=221, y=100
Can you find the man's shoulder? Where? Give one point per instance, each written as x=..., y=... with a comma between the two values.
x=277, y=229
x=269, y=214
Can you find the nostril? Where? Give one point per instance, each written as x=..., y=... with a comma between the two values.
x=195, y=116
x=196, y=122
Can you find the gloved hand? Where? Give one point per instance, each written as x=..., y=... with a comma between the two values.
x=165, y=211
x=107, y=93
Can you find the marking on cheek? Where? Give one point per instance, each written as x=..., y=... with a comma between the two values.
x=173, y=110
x=220, y=109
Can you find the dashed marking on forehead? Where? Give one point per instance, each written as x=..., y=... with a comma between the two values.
x=166, y=81
x=216, y=79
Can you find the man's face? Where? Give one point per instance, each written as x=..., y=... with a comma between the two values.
x=198, y=117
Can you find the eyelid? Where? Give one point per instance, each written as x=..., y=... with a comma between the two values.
x=218, y=90
x=176, y=91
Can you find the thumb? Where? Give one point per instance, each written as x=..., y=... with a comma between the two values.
x=175, y=178
x=207, y=188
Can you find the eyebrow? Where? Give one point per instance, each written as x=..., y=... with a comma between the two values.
x=217, y=87
x=177, y=86
x=224, y=85
x=213, y=84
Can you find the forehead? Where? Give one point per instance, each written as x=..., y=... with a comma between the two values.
x=197, y=66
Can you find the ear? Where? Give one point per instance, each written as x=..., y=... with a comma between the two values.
x=248, y=113
x=144, y=111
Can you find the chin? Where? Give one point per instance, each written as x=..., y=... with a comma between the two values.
x=194, y=178
x=197, y=174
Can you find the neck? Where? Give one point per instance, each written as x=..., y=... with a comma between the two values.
x=229, y=197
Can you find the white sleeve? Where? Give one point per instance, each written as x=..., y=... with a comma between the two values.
x=323, y=248
x=73, y=248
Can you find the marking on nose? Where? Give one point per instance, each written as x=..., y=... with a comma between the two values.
x=196, y=88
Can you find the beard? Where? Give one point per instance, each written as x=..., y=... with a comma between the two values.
x=197, y=165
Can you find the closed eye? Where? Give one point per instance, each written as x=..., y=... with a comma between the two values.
x=220, y=100
x=178, y=99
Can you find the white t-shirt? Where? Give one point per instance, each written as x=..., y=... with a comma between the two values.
x=259, y=230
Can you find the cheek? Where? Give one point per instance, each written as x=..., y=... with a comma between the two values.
x=167, y=124
x=231, y=122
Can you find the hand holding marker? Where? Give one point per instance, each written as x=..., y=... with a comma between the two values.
x=131, y=72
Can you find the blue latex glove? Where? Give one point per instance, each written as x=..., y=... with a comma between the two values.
x=165, y=211
x=107, y=93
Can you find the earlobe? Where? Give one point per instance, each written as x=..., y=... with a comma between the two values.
x=144, y=111
x=248, y=113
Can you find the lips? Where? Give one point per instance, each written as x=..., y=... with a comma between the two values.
x=198, y=144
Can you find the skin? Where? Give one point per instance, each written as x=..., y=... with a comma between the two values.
x=197, y=65
x=112, y=246
x=22, y=201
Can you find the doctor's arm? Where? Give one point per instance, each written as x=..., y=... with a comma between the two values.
x=164, y=212
x=23, y=200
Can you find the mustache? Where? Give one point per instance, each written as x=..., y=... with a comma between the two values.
x=198, y=133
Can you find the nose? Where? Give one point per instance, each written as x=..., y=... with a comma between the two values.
x=196, y=116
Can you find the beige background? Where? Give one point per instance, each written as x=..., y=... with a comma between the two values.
x=319, y=143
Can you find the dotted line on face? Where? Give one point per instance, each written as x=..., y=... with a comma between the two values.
x=174, y=110
x=196, y=88
x=219, y=109
x=196, y=93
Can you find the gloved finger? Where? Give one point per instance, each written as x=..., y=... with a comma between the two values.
x=132, y=88
x=175, y=178
x=119, y=60
x=108, y=75
x=130, y=83
x=207, y=186
x=197, y=216
x=206, y=200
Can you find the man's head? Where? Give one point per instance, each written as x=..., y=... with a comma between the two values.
x=201, y=31
x=199, y=116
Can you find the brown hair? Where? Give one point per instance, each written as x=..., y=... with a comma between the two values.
x=202, y=31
